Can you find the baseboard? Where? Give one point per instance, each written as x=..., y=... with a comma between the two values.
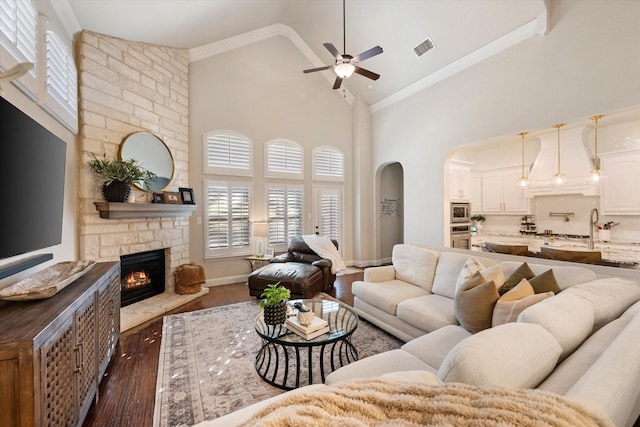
x=226, y=280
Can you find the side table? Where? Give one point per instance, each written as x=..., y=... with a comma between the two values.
x=253, y=260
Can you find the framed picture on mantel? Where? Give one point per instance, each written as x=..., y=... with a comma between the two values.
x=172, y=197
x=187, y=196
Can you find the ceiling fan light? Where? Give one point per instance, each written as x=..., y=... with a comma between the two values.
x=344, y=70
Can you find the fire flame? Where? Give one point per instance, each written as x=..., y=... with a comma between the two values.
x=136, y=279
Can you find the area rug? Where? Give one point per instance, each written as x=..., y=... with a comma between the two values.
x=206, y=365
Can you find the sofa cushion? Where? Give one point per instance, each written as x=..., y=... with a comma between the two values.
x=415, y=265
x=448, y=269
x=428, y=312
x=433, y=347
x=379, y=364
x=420, y=377
x=566, y=276
x=474, y=302
x=567, y=317
x=514, y=355
x=545, y=282
x=523, y=271
x=386, y=296
x=610, y=297
x=510, y=305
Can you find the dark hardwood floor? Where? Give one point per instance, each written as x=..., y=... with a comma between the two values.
x=127, y=392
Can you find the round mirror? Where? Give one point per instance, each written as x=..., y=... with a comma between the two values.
x=152, y=154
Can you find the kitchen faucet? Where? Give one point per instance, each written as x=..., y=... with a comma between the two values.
x=592, y=223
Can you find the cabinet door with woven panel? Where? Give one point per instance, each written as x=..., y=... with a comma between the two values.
x=85, y=354
x=58, y=403
x=108, y=321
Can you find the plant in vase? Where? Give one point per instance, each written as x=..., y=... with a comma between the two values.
x=274, y=303
x=118, y=176
x=478, y=220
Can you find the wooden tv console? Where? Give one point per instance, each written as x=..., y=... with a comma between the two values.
x=53, y=352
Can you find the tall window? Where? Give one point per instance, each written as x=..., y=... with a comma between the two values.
x=328, y=164
x=228, y=153
x=285, y=212
x=60, y=94
x=18, y=38
x=284, y=160
x=228, y=214
x=328, y=202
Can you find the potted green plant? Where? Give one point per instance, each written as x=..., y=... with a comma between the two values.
x=274, y=303
x=118, y=176
x=478, y=220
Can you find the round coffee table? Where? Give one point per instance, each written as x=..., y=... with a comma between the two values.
x=279, y=362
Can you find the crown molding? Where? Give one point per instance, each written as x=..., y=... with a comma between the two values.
x=537, y=26
x=264, y=33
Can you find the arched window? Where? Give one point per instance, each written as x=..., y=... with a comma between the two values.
x=284, y=159
x=227, y=153
x=328, y=164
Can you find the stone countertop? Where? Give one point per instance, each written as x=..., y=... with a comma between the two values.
x=615, y=251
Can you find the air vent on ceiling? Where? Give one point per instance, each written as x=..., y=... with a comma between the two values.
x=424, y=47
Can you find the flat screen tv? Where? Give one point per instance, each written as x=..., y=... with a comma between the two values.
x=32, y=165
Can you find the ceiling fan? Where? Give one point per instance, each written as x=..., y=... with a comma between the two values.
x=345, y=64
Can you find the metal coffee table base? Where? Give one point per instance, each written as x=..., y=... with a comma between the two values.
x=275, y=360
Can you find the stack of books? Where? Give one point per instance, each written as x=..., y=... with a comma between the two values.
x=317, y=327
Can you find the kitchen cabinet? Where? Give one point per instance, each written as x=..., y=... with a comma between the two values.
x=475, y=192
x=620, y=192
x=52, y=351
x=459, y=181
x=501, y=192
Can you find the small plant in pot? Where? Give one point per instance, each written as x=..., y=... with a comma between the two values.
x=274, y=303
x=478, y=220
x=118, y=176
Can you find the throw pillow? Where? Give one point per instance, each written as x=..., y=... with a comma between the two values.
x=516, y=355
x=522, y=272
x=545, y=282
x=511, y=304
x=472, y=266
x=474, y=302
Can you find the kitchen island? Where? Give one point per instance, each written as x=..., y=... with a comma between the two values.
x=615, y=253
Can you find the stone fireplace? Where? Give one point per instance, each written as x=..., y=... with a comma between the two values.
x=125, y=87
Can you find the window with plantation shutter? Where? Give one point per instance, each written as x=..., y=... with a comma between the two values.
x=285, y=213
x=284, y=159
x=329, y=212
x=328, y=164
x=18, y=40
x=60, y=95
x=228, y=213
x=227, y=153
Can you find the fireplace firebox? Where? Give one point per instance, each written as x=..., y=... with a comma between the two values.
x=142, y=275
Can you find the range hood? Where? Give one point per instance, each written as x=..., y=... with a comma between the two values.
x=576, y=163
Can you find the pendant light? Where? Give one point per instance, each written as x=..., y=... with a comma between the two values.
x=524, y=182
x=595, y=173
x=558, y=178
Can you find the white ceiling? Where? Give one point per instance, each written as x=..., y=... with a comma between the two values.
x=457, y=27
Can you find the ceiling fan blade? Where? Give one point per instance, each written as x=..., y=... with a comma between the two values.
x=331, y=48
x=367, y=73
x=368, y=54
x=312, y=70
x=338, y=82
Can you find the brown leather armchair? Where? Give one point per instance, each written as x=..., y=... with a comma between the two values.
x=300, y=269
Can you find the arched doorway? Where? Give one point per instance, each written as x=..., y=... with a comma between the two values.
x=391, y=212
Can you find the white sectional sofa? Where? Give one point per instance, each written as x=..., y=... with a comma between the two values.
x=581, y=343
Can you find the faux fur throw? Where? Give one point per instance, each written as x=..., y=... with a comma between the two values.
x=325, y=248
x=377, y=402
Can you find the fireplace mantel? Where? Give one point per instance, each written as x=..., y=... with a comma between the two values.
x=143, y=210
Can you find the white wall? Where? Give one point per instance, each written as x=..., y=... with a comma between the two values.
x=586, y=64
x=260, y=91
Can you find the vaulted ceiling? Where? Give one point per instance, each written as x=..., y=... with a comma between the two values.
x=459, y=29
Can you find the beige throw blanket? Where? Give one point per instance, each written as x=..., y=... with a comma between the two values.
x=377, y=402
x=325, y=248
